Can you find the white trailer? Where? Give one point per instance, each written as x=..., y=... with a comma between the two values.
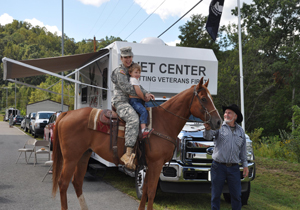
x=12, y=111
x=165, y=70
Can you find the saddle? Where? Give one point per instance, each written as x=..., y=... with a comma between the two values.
x=106, y=116
x=108, y=121
x=102, y=119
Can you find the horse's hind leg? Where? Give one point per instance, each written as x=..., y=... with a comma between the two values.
x=64, y=180
x=79, y=176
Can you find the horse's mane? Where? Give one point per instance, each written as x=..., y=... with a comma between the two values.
x=180, y=95
x=175, y=98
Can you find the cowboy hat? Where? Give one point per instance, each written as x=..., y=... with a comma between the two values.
x=236, y=109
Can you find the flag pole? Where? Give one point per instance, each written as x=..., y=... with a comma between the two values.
x=241, y=66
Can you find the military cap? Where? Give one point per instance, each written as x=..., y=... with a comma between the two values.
x=126, y=51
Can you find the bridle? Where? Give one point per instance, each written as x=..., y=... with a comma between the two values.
x=207, y=113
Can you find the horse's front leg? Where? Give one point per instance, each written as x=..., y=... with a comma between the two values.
x=145, y=195
x=79, y=176
x=152, y=175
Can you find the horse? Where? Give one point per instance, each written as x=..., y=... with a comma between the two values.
x=74, y=142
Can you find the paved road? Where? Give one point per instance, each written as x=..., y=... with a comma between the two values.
x=21, y=185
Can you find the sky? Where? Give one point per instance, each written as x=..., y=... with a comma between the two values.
x=131, y=20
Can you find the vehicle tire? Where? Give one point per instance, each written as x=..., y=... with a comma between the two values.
x=34, y=134
x=140, y=175
x=245, y=196
x=25, y=128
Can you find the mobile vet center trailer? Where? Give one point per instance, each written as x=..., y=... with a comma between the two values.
x=165, y=70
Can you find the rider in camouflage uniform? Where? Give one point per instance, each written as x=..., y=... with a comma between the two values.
x=122, y=90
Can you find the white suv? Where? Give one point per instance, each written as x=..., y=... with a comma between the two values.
x=39, y=122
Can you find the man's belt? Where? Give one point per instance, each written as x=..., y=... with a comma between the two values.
x=227, y=164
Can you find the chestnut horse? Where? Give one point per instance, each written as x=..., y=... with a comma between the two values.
x=74, y=141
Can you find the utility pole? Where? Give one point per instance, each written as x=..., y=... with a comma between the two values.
x=95, y=42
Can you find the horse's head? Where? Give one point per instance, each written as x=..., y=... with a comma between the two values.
x=202, y=106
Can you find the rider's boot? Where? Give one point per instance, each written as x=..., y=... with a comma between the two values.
x=128, y=158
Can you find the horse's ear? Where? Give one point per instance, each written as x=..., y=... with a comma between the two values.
x=200, y=84
x=206, y=84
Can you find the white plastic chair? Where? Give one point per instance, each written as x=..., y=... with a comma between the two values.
x=48, y=163
x=41, y=147
x=28, y=147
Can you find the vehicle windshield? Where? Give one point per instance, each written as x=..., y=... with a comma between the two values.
x=159, y=102
x=45, y=115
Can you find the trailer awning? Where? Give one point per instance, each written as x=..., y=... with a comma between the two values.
x=14, y=70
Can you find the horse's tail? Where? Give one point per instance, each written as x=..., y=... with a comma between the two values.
x=56, y=155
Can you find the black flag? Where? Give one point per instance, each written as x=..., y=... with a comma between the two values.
x=214, y=17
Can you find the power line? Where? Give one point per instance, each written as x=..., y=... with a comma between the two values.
x=121, y=18
x=97, y=19
x=180, y=18
x=145, y=20
x=108, y=16
x=132, y=18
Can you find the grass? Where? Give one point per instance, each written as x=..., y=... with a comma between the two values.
x=276, y=187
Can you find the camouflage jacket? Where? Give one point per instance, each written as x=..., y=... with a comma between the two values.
x=121, y=85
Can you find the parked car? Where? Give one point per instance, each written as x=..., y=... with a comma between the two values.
x=23, y=123
x=17, y=119
x=39, y=122
x=28, y=119
x=49, y=128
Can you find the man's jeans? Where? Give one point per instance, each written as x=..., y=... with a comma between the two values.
x=137, y=105
x=220, y=173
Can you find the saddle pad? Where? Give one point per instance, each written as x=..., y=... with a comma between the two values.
x=94, y=123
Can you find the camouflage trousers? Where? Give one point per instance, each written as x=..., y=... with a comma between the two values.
x=129, y=115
